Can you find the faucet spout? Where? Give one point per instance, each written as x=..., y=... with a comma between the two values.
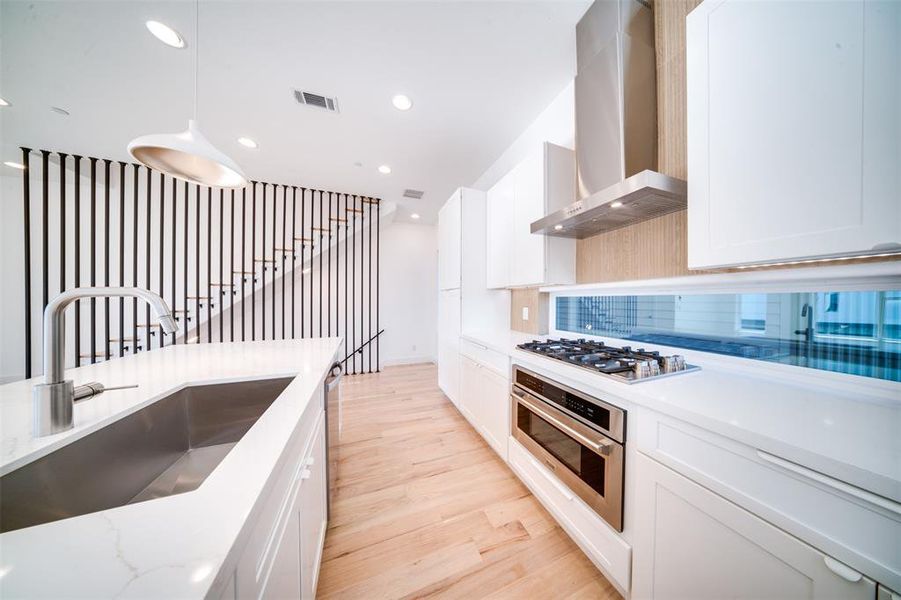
x=53, y=400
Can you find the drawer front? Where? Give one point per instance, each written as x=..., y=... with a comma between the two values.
x=606, y=549
x=813, y=507
x=494, y=360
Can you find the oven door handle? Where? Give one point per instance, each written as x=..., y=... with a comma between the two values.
x=601, y=447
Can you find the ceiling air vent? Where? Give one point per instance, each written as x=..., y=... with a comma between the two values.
x=317, y=100
x=415, y=194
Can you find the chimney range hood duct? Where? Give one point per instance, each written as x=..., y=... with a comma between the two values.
x=616, y=126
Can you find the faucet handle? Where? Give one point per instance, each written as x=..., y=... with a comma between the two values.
x=94, y=388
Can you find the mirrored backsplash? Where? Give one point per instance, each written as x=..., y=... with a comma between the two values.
x=857, y=333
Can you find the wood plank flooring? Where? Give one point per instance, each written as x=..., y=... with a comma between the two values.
x=425, y=508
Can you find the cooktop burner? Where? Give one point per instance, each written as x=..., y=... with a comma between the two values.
x=623, y=364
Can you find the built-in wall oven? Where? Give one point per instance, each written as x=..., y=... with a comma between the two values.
x=578, y=437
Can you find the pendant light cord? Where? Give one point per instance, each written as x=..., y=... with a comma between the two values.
x=196, y=50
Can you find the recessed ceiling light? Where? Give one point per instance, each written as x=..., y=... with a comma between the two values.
x=616, y=204
x=414, y=216
x=60, y=111
x=402, y=102
x=165, y=34
x=4, y=102
x=15, y=165
x=248, y=143
x=558, y=227
x=385, y=170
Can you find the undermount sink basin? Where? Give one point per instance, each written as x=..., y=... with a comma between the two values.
x=169, y=447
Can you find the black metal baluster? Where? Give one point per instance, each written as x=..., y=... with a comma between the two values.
x=321, y=252
x=328, y=288
x=378, y=273
x=187, y=196
x=122, y=260
x=26, y=211
x=369, y=289
x=221, y=255
x=93, y=173
x=284, y=250
x=162, y=247
x=209, y=269
x=62, y=221
x=134, y=259
x=353, y=291
x=196, y=262
x=231, y=250
x=77, y=253
x=106, y=257
x=293, y=255
x=174, y=273
x=263, y=262
x=45, y=226
x=147, y=255
x=253, y=264
x=274, y=263
x=303, y=246
x=243, y=257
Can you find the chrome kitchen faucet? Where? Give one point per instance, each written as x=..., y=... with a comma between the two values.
x=55, y=398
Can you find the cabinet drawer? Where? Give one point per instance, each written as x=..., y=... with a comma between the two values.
x=606, y=549
x=485, y=356
x=828, y=514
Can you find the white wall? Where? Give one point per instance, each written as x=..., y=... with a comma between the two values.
x=555, y=124
x=409, y=305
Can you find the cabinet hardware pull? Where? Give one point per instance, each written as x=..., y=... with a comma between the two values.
x=305, y=474
x=309, y=462
x=601, y=447
x=836, y=484
x=842, y=570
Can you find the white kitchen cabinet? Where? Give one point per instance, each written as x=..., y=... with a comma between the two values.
x=485, y=402
x=692, y=543
x=449, y=343
x=499, y=208
x=312, y=505
x=449, y=250
x=542, y=183
x=794, y=130
x=285, y=574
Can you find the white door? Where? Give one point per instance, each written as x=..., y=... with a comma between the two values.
x=499, y=212
x=312, y=506
x=449, y=243
x=794, y=130
x=284, y=577
x=469, y=390
x=692, y=543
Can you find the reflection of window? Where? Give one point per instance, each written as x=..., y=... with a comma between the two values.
x=891, y=316
x=847, y=314
x=752, y=312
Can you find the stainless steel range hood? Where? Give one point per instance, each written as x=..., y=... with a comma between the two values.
x=616, y=126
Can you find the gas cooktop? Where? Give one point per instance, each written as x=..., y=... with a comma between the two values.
x=623, y=364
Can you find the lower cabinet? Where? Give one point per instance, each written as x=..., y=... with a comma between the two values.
x=283, y=554
x=485, y=401
x=692, y=543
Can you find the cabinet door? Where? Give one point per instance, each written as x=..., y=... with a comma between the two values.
x=312, y=503
x=469, y=390
x=528, y=206
x=284, y=577
x=692, y=543
x=449, y=343
x=794, y=131
x=499, y=213
x=449, y=243
x=495, y=409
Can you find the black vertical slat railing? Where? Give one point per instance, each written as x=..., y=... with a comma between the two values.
x=346, y=305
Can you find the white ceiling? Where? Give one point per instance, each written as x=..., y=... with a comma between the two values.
x=478, y=73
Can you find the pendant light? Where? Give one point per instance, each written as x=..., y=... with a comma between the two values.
x=188, y=155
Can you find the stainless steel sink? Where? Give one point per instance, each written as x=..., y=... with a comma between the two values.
x=169, y=447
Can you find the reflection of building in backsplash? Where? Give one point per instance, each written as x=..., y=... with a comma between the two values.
x=849, y=332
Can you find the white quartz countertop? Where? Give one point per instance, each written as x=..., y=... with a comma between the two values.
x=168, y=547
x=839, y=429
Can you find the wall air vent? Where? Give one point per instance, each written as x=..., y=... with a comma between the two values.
x=415, y=194
x=316, y=100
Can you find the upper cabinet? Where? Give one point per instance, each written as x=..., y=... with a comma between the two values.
x=449, y=249
x=540, y=184
x=794, y=130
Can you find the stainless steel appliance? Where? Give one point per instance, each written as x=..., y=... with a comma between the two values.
x=332, y=405
x=578, y=437
x=616, y=126
x=622, y=364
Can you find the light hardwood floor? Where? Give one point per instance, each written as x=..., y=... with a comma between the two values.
x=425, y=508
